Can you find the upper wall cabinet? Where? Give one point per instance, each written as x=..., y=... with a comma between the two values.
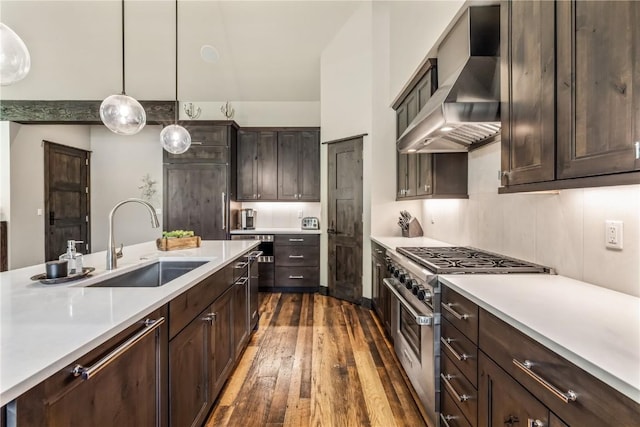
x=299, y=166
x=257, y=165
x=570, y=94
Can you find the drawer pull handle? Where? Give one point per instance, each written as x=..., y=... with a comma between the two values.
x=88, y=373
x=569, y=396
x=446, y=418
x=296, y=256
x=241, y=265
x=459, y=397
x=378, y=251
x=242, y=281
x=296, y=240
x=449, y=308
x=447, y=343
x=296, y=277
x=534, y=423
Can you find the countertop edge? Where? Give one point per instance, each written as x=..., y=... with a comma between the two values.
x=589, y=367
x=15, y=390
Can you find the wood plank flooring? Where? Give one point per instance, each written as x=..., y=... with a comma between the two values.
x=316, y=361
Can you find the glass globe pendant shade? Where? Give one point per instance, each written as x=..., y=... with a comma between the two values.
x=175, y=139
x=122, y=114
x=15, y=61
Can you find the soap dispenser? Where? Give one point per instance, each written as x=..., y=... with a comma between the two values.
x=73, y=258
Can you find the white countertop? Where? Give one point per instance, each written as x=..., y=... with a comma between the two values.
x=391, y=243
x=593, y=327
x=276, y=231
x=44, y=328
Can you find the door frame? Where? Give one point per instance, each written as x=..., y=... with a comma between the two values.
x=47, y=145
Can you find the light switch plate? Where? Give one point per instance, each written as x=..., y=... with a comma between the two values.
x=613, y=234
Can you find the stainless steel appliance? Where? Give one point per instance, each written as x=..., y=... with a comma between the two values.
x=310, y=223
x=413, y=280
x=247, y=219
x=266, y=267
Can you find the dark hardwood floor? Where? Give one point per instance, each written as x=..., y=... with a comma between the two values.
x=316, y=361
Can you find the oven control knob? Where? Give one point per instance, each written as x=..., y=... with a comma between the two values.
x=410, y=284
x=424, y=295
x=415, y=289
x=391, y=268
x=403, y=277
x=396, y=273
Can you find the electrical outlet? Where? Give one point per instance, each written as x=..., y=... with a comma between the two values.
x=300, y=214
x=613, y=234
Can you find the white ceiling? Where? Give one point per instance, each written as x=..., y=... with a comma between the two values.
x=269, y=50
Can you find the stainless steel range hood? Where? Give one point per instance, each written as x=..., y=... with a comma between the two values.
x=466, y=107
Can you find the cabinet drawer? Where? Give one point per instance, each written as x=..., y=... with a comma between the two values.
x=297, y=277
x=308, y=256
x=199, y=153
x=208, y=134
x=450, y=414
x=462, y=313
x=467, y=395
x=596, y=402
x=297, y=239
x=461, y=351
x=377, y=250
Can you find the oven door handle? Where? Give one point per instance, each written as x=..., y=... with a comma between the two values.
x=420, y=319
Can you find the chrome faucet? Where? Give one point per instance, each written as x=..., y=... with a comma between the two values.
x=112, y=256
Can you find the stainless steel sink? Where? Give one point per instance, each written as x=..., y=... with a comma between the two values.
x=150, y=276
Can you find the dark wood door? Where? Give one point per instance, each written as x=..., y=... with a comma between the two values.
x=344, y=219
x=288, y=165
x=247, y=160
x=127, y=392
x=527, y=91
x=221, y=351
x=196, y=199
x=424, y=174
x=66, y=198
x=267, y=166
x=309, y=167
x=502, y=401
x=240, y=314
x=189, y=397
x=598, y=87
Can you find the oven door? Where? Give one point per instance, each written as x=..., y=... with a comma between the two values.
x=414, y=344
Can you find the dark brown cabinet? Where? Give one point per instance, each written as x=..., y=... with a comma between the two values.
x=123, y=381
x=299, y=165
x=209, y=143
x=381, y=296
x=222, y=350
x=240, y=314
x=257, y=165
x=527, y=91
x=297, y=261
x=426, y=175
x=569, y=94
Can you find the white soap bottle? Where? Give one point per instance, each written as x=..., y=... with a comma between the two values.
x=73, y=258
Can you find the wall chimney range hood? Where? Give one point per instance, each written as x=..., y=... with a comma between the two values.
x=466, y=107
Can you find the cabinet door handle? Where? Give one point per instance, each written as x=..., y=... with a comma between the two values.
x=241, y=265
x=534, y=423
x=88, y=373
x=379, y=251
x=637, y=150
x=449, y=308
x=210, y=317
x=569, y=396
x=296, y=240
x=446, y=418
x=223, y=207
x=258, y=195
x=447, y=343
x=296, y=256
x=460, y=397
x=296, y=277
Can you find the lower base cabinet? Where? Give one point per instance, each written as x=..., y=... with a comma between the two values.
x=120, y=383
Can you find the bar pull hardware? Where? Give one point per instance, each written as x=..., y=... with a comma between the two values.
x=637, y=150
x=447, y=343
x=569, y=396
x=534, y=423
x=419, y=318
x=223, y=207
x=449, y=308
x=296, y=256
x=461, y=398
x=379, y=251
x=210, y=317
x=88, y=373
x=446, y=418
x=242, y=281
x=296, y=277
x=241, y=265
x=296, y=240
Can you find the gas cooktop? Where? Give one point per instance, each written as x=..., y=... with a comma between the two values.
x=464, y=259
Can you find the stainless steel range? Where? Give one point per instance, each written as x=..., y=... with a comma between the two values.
x=415, y=313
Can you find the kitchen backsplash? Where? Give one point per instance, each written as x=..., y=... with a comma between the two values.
x=282, y=214
x=564, y=230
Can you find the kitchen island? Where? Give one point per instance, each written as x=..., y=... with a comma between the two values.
x=44, y=328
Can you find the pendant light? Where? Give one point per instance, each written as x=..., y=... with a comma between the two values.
x=15, y=61
x=174, y=138
x=121, y=113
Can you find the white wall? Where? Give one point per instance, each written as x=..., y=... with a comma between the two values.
x=256, y=114
x=118, y=164
x=346, y=98
x=282, y=215
x=26, y=228
x=564, y=231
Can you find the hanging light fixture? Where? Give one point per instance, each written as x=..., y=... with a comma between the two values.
x=15, y=61
x=121, y=113
x=174, y=138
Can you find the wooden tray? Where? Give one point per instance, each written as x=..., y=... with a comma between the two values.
x=174, y=243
